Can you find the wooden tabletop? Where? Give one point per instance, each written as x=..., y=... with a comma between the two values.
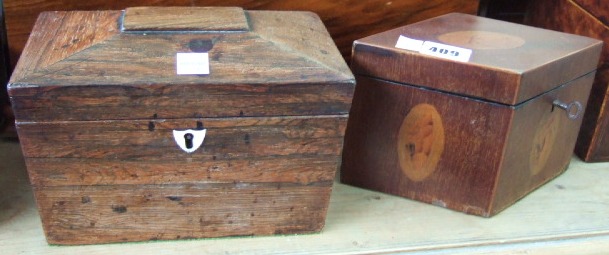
x=569, y=215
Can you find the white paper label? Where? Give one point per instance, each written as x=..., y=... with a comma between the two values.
x=434, y=49
x=408, y=43
x=192, y=63
x=446, y=51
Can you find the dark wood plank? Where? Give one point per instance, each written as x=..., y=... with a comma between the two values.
x=180, y=101
x=151, y=139
x=302, y=169
x=105, y=214
x=185, y=19
x=567, y=16
x=283, y=149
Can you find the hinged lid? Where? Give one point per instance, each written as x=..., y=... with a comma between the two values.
x=510, y=63
x=93, y=65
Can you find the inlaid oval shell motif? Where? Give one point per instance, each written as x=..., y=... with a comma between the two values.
x=420, y=142
x=481, y=40
x=543, y=142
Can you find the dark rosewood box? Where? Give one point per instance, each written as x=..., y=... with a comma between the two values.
x=471, y=136
x=587, y=18
x=119, y=147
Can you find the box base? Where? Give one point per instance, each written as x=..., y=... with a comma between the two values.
x=125, y=213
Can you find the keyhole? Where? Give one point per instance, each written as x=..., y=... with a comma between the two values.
x=188, y=139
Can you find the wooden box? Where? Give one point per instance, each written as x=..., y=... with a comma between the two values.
x=119, y=147
x=587, y=18
x=470, y=135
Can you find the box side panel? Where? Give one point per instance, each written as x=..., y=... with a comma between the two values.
x=567, y=16
x=424, y=145
x=180, y=101
x=121, y=213
x=282, y=149
x=540, y=143
x=49, y=43
x=115, y=181
x=302, y=34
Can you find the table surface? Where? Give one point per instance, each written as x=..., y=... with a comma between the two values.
x=569, y=215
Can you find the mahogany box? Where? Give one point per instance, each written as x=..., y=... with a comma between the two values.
x=177, y=123
x=470, y=134
x=587, y=18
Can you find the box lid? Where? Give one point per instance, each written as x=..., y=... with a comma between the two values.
x=509, y=63
x=97, y=64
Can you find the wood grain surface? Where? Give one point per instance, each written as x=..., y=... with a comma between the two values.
x=486, y=164
x=268, y=71
x=506, y=74
x=100, y=142
x=94, y=214
x=568, y=16
x=537, y=128
x=281, y=149
x=567, y=216
x=462, y=141
x=597, y=8
x=117, y=181
x=463, y=179
x=346, y=20
x=185, y=19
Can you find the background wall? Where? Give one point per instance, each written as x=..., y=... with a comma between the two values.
x=508, y=10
